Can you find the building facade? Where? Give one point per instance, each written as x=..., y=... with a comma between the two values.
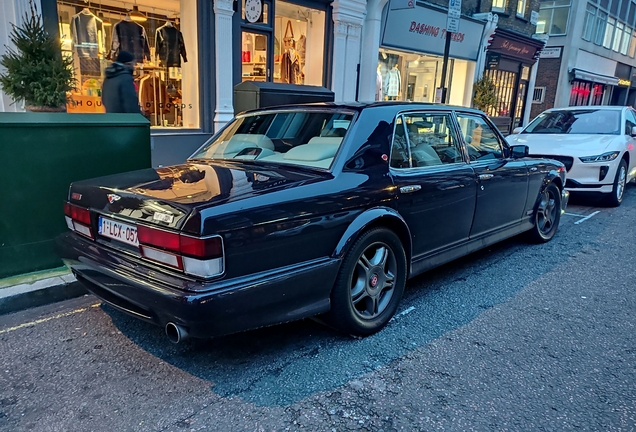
x=589, y=56
x=191, y=54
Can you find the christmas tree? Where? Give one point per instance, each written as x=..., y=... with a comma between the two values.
x=36, y=72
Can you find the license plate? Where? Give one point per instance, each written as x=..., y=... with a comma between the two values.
x=115, y=230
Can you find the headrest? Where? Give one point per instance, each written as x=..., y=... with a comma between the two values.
x=312, y=152
x=325, y=140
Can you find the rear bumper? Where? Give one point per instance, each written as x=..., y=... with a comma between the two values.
x=204, y=309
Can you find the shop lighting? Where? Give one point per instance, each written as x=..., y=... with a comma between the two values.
x=137, y=16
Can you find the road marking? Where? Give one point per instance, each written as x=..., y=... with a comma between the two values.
x=43, y=320
x=574, y=214
x=587, y=217
x=404, y=312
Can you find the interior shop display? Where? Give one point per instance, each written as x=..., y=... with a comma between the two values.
x=290, y=63
x=165, y=82
x=378, y=85
x=169, y=45
x=392, y=83
x=130, y=36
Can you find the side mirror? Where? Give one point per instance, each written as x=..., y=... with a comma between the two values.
x=517, y=130
x=633, y=131
x=519, y=151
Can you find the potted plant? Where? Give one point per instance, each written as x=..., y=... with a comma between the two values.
x=485, y=94
x=35, y=72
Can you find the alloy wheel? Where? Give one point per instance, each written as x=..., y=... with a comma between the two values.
x=620, y=184
x=547, y=212
x=373, y=279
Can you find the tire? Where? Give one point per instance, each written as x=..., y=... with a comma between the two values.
x=547, y=215
x=369, y=285
x=615, y=198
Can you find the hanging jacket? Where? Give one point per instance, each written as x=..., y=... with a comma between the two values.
x=169, y=46
x=130, y=36
x=118, y=90
x=392, y=83
x=87, y=33
x=290, y=68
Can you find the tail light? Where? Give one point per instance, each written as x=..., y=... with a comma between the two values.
x=78, y=219
x=197, y=256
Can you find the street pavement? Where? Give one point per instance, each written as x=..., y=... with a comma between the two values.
x=516, y=337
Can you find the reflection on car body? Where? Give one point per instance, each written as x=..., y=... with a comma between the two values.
x=339, y=205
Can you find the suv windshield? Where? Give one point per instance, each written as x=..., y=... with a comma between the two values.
x=309, y=138
x=588, y=121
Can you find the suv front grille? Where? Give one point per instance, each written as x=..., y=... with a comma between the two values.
x=565, y=160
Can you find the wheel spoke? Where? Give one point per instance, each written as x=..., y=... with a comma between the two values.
x=361, y=296
x=364, y=263
x=357, y=290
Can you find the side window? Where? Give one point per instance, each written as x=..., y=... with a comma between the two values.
x=400, y=152
x=427, y=138
x=630, y=123
x=482, y=142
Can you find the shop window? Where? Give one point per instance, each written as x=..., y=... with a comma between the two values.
x=586, y=93
x=163, y=42
x=599, y=33
x=499, y=5
x=618, y=36
x=553, y=17
x=299, y=44
x=609, y=33
x=589, y=24
x=539, y=95
x=627, y=34
x=521, y=8
x=254, y=56
x=505, y=89
x=632, y=46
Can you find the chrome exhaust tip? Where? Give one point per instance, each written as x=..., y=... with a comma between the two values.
x=176, y=333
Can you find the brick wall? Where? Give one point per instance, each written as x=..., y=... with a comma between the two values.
x=548, y=77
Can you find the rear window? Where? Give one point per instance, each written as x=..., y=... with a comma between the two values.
x=589, y=121
x=308, y=138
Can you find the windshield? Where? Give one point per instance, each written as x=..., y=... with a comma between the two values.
x=588, y=121
x=309, y=138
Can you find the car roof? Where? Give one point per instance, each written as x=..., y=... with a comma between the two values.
x=588, y=107
x=359, y=106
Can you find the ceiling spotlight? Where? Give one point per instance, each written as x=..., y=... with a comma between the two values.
x=137, y=16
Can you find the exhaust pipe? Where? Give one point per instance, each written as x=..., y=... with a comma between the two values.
x=176, y=333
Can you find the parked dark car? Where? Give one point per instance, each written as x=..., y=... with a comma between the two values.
x=306, y=210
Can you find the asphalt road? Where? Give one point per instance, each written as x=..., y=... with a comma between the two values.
x=516, y=337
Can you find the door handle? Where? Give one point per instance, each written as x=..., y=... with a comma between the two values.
x=410, y=188
x=486, y=176
x=533, y=168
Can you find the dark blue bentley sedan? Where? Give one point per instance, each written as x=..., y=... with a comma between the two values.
x=306, y=210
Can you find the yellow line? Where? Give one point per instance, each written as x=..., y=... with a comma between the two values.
x=43, y=320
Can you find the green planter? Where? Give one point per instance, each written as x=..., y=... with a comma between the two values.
x=41, y=154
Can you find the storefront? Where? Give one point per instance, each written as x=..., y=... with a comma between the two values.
x=592, y=80
x=509, y=59
x=411, y=55
x=284, y=42
x=621, y=92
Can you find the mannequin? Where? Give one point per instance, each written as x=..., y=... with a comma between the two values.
x=378, y=85
x=392, y=83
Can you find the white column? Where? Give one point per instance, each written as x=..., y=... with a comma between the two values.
x=11, y=12
x=490, y=27
x=348, y=16
x=224, y=53
x=371, y=31
x=532, y=81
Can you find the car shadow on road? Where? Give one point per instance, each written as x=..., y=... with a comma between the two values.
x=280, y=365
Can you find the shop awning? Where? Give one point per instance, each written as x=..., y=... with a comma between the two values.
x=597, y=78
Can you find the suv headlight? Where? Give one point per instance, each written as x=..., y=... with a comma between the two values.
x=605, y=157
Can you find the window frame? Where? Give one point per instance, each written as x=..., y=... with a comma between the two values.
x=552, y=8
x=503, y=145
x=453, y=126
x=502, y=8
x=524, y=5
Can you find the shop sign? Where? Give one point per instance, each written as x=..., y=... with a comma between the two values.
x=513, y=48
x=424, y=30
x=554, y=52
x=402, y=4
x=624, y=82
x=493, y=60
x=534, y=17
